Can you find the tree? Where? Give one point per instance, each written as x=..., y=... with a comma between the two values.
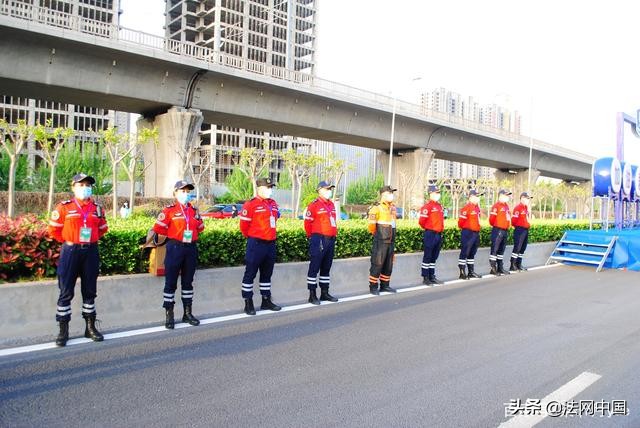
x=239, y=186
x=300, y=166
x=118, y=147
x=365, y=190
x=335, y=169
x=254, y=162
x=202, y=169
x=284, y=180
x=13, y=139
x=51, y=142
x=133, y=162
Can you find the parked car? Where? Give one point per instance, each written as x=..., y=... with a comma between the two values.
x=222, y=211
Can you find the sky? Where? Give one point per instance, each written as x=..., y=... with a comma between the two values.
x=567, y=66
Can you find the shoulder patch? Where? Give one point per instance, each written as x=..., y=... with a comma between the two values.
x=55, y=215
x=161, y=216
x=171, y=205
x=308, y=213
x=245, y=212
x=68, y=201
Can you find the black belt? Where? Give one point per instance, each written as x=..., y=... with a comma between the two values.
x=185, y=244
x=81, y=246
x=263, y=241
x=323, y=236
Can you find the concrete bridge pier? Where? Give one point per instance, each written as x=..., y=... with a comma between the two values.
x=409, y=175
x=178, y=130
x=519, y=179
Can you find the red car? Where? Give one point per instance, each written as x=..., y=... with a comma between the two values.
x=222, y=211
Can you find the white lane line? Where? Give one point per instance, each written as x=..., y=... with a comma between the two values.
x=561, y=395
x=216, y=320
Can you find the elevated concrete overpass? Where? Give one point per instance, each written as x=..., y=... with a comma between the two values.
x=50, y=55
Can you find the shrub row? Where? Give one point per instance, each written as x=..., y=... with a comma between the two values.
x=27, y=252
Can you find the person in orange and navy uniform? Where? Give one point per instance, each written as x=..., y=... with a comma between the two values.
x=382, y=225
x=78, y=223
x=258, y=224
x=520, y=221
x=500, y=219
x=469, y=222
x=432, y=221
x=181, y=223
x=321, y=227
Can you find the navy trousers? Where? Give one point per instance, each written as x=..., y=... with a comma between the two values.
x=76, y=260
x=432, y=242
x=498, y=244
x=469, y=243
x=181, y=259
x=321, y=251
x=520, y=240
x=260, y=256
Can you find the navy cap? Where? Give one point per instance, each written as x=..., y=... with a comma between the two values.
x=265, y=182
x=504, y=192
x=525, y=195
x=82, y=177
x=474, y=192
x=324, y=185
x=387, y=189
x=183, y=184
x=433, y=189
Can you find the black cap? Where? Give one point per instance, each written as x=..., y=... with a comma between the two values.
x=387, y=189
x=504, y=192
x=324, y=185
x=264, y=182
x=182, y=184
x=474, y=192
x=433, y=189
x=83, y=177
x=525, y=195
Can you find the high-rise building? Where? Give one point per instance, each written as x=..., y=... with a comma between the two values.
x=276, y=32
x=85, y=120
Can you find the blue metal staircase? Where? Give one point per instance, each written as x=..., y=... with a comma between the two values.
x=583, y=250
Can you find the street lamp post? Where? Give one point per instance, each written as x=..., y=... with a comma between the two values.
x=530, y=143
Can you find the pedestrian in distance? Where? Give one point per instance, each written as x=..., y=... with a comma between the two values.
x=125, y=211
x=500, y=219
x=520, y=222
x=258, y=224
x=432, y=221
x=382, y=225
x=78, y=224
x=181, y=223
x=469, y=223
x=321, y=228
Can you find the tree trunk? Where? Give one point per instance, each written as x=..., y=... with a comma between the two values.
x=52, y=181
x=12, y=186
x=132, y=192
x=114, y=190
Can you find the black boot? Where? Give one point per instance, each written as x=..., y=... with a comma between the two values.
x=426, y=280
x=373, y=289
x=493, y=270
x=169, y=322
x=268, y=304
x=435, y=280
x=326, y=297
x=472, y=274
x=248, y=307
x=188, y=316
x=514, y=265
x=519, y=265
x=63, y=336
x=313, y=298
x=501, y=268
x=463, y=274
x=91, y=331
x=384, y=286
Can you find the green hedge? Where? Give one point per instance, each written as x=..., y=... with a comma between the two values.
x=222, y=244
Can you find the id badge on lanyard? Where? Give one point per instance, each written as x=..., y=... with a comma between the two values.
x=272, y=221
x=187, y=236
x=332, y=220
x=85, y=235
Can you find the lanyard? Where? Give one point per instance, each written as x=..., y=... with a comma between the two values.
x=82, y=210
x=328, y=208
x=186, y=217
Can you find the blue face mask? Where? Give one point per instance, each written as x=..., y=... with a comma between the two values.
x=183, y=198
x=82, y=193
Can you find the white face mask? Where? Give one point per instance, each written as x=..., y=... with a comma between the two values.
x=525, y=201
x=265, y=192
x=82, y=192
x=503, y=198
x=388, y=197
x=474, y=199
x=435, y=197
x=326, y=193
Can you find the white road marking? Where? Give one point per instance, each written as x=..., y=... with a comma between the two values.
x=561, y=395
x=216, y=320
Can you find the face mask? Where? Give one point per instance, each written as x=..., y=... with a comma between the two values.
x=389, y=197
x=265, y=192
x=474, y=199
x=326, y=193
x=82, y=193
x=435, y=197
x=183, y=198
x=525, y=201
x=503, y=198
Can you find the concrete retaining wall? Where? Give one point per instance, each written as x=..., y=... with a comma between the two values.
x=27, y=310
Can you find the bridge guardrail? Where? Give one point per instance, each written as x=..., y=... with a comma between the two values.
x=46, y=16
